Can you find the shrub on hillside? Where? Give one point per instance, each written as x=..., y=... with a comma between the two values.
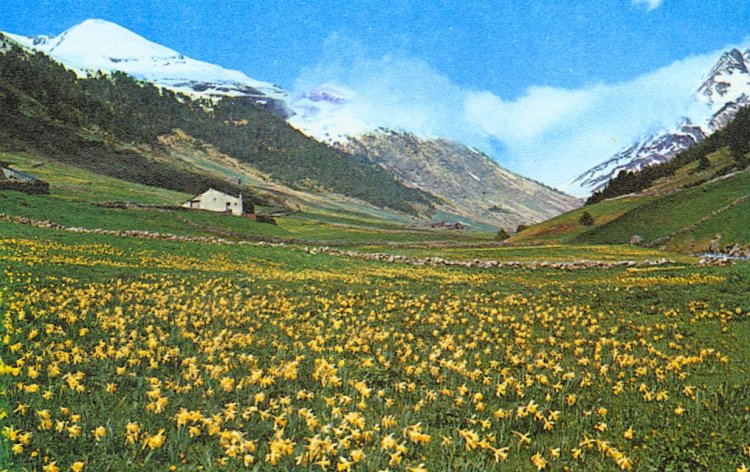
x=586, y=219
x=501, y=235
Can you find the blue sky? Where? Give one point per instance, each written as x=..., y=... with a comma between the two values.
x=529, y=82
x=504, y=47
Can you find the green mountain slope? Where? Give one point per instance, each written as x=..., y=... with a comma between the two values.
x=686, y=219
x=111, y=125
x=680, y=205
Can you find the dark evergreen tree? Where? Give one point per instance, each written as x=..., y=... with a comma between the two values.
x=586, y=219
x=703, y=164
x=502, y=235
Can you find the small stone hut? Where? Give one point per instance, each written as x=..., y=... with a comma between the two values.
x=12, y=179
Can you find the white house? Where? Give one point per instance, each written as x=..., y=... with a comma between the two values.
x=213, y=200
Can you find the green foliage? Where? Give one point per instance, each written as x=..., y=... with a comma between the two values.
x=737, y=135
x=586, y=219
x=502, y=235
x=703, y=164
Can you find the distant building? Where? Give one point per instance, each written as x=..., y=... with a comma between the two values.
x=12, y=179
x=213, y=200
x=446, y=225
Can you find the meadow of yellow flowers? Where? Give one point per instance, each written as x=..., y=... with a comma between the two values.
x=123, y=355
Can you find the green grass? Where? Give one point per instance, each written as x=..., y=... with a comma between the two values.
x=62, y=210
x=656, y=215
x=75, y=191
x=668, y=214
x=74, y=183
x=733, y=225
x=566, y=227
x=243, y=309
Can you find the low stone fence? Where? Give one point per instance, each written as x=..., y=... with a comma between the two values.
x=377, y=256
x=484, y=263
x=32, y=188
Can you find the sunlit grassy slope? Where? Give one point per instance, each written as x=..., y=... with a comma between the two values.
x=680, y=213
x=74, y=183
x=671, y=213
x=76, y=195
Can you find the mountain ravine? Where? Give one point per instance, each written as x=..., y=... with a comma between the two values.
x=469, y=182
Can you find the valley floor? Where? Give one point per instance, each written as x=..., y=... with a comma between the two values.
x=128, y=353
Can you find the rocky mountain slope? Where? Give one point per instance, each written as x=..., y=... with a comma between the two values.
x=654, y=149
x=469, y=182
x=723, y=90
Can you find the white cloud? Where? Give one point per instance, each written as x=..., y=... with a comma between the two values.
x=650, y=5
x=527, y=118
x=393, y=91
x=549, y=134
x=577, y=129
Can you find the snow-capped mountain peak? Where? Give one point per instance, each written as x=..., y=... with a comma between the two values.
x=723, y=90
x=651, y=149
x=102, y=42
x=727, y=79
x=99, y=45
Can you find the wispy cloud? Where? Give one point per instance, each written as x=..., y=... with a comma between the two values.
x=550, y=134
x=650, y=5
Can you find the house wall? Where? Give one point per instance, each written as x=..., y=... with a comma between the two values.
x=213, y=200
x=11, y=179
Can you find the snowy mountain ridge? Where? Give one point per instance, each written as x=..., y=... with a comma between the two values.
x=724, y=89
x=99, y=45
x=323, y=112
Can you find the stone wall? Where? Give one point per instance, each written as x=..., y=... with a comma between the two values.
x=32, y=188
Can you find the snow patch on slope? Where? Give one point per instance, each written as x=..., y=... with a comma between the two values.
x=724, y=90
x=98, y=45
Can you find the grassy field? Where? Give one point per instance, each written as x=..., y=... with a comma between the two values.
x=73, y=183
x=126, y=354
x=75, y=196
x=120, y=353
x=687, y=214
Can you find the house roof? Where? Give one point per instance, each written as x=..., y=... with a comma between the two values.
x=213, y=190
x=16, y=174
